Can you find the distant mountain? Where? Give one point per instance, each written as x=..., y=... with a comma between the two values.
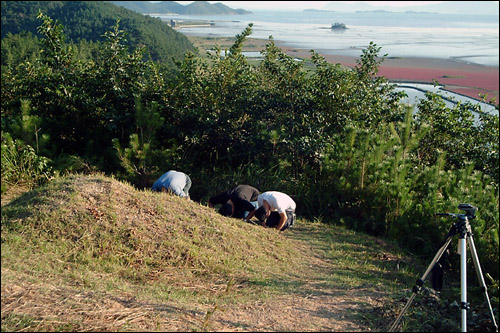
x=444, y=7
x=172, y=7
x=89, y=20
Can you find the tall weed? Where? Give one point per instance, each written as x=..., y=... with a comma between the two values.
x=21, y=165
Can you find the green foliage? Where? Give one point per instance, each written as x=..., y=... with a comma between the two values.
x=485, y=151
x=87, y=20
x=377, y=184
x=80, y=105
x=19, y=48
x=137, y=158
x=338, y=140
x=21, y=165
x=26, y=127
x=211, y=106
x=55, y=54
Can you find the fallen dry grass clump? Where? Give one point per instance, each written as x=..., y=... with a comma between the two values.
x=47, y=307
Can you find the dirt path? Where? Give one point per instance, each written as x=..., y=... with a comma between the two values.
x=314, y=306
x=329, y=312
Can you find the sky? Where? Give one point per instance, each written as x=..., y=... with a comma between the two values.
x=300, y=5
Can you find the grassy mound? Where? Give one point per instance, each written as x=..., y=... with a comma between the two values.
x=90, y=253
x=109, y=227
x=96, y=233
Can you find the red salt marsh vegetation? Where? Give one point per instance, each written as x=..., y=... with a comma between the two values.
x=463, y=78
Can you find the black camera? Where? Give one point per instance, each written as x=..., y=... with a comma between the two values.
x=470, y=211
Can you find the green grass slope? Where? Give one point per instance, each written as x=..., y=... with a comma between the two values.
x=88, y=252
x=99, y=222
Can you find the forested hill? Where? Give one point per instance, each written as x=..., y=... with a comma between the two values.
x=172, y=7
x=89, y=20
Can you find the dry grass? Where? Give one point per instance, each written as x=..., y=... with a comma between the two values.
x=90, y=253
x=47, y=307
x=89, y=238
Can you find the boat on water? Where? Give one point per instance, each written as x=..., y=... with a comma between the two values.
x=338, y=26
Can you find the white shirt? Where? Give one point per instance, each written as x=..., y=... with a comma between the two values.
x=277, y=201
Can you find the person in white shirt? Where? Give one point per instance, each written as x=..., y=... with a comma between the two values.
x=276, y=210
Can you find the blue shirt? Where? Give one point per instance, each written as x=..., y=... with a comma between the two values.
x=175, y=181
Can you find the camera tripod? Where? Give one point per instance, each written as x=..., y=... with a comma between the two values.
x=461, y=227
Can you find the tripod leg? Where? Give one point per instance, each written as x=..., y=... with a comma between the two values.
x=463, y=281
x=421, y=281
x=480, y=277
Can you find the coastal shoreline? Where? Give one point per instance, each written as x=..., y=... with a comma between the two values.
x=459, y=77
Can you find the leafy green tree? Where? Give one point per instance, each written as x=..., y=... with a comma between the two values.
x=86, y=20
x=27, y=127
x=137, y=158
x=211, y=107
x=485, y=149
x=19, y=48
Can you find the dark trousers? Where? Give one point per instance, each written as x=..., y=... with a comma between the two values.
x=274, y=218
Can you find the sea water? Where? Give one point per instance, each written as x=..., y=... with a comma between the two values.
x=467, y=38
x=416, y=92
x=464, y=38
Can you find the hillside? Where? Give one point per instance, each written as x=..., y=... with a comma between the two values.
x=172, y=7
x=89, y=20
x=92, y=252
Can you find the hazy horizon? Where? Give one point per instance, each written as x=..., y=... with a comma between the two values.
x=468, y=7
x=301, y=5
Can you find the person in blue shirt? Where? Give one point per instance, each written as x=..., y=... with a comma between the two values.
x=174, y=182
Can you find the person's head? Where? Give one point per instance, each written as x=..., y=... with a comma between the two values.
x=260, y=214
x=273, y=219
x=226, y=209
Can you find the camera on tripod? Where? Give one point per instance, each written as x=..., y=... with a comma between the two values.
x=461, y=228
x=470, y=211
